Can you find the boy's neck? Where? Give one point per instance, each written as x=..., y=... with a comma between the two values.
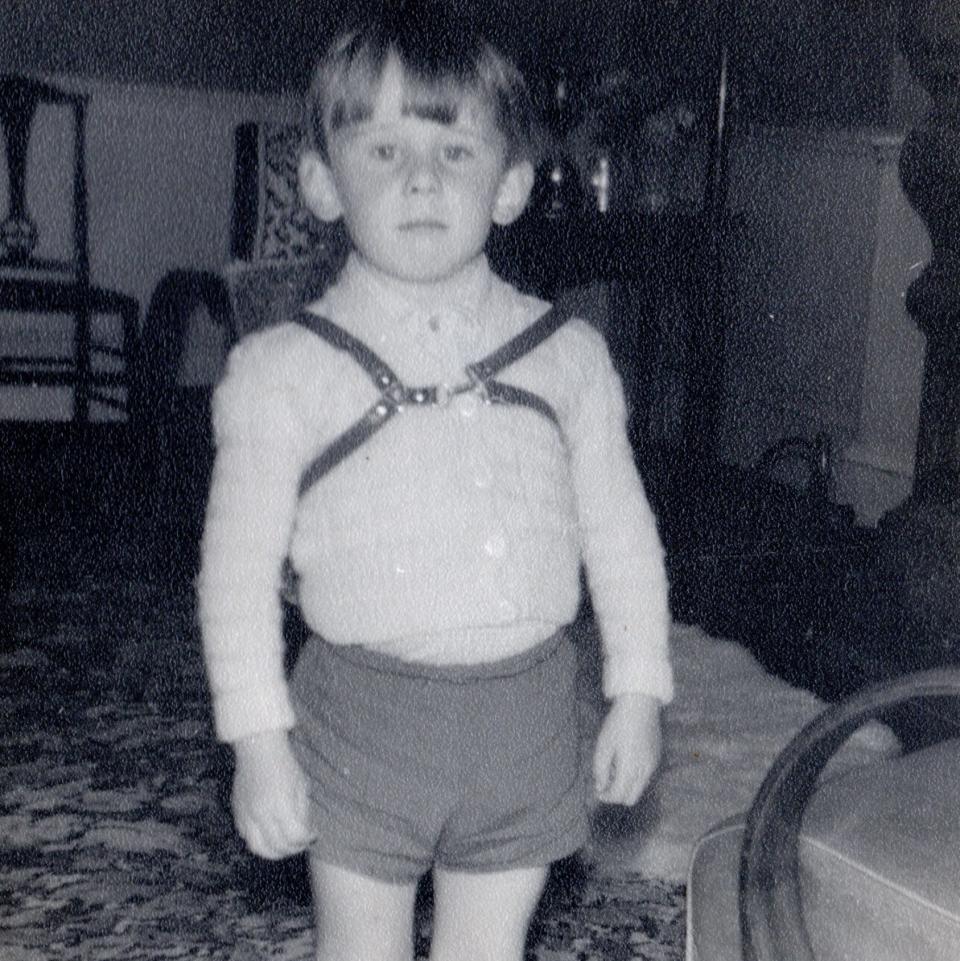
x=434, y=294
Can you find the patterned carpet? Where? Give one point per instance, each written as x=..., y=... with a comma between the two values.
x=115, y=835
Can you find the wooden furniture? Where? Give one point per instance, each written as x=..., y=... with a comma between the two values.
x=917, y=616
x=647, y=281
x=58, y=289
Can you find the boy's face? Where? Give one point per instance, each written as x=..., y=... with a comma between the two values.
x=418, y=196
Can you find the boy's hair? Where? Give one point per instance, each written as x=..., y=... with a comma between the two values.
x=442, y=58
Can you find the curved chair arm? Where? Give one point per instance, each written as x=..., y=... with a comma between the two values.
x=771, y=914
x=178, y=294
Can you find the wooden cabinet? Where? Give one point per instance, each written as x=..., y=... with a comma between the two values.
x=646, y=282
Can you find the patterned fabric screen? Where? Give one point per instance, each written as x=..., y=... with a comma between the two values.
x=286, y=230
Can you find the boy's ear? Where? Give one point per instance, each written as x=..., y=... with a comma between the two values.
x=317, y=187
x=513, y=193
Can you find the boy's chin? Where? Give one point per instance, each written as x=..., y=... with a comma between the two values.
x=411, y=272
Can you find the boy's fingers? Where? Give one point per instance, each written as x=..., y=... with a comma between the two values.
x=639, y=781
x=256, y=842
x=278, y=838
x=294, y=831
x=300, y=829
x=295, y=840
x=623, y=787
x=602, y=765
x=604, y=784
x=283, y=840
x=617, y=791
x=304, y=821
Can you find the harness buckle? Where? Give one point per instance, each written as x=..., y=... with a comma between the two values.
x=395, y=393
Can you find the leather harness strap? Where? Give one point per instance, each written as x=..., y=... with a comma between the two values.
x=395, y=396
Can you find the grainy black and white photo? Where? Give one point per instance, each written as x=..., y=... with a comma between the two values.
x=479, y=480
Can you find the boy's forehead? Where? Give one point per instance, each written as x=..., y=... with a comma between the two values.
x=396, y=94
x=390, y=92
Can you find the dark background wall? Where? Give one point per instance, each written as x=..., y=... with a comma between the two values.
x=796, y=61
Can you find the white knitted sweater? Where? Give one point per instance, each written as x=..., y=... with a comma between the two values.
x=455, y=534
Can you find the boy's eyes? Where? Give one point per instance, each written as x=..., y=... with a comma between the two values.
x=457, y=152
x=452, y=153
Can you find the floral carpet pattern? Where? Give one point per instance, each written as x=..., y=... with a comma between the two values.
x=115, y=835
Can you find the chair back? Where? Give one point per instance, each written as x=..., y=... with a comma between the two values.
x=60, y=332
x=23, y=245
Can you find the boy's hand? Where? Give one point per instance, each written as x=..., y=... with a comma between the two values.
x=270, y=796
x=627, y=750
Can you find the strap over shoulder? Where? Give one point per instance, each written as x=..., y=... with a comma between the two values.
x=518, y=346
x=375, y=366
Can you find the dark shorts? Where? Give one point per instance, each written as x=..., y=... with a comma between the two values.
x=476, y=768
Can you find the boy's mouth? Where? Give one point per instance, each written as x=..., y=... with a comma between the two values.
x=409, y=226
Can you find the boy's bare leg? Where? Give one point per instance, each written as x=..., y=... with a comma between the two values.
x=483, y=917
x=361, y=918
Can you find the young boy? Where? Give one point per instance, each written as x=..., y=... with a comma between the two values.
x=436, y=496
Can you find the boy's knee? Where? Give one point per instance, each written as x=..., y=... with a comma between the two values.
x=484, y=917
x=361, y=918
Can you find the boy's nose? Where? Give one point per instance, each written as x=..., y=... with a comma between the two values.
x=422, y=175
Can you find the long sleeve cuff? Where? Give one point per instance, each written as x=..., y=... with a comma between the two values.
x=651, y=674
x=241, y=713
